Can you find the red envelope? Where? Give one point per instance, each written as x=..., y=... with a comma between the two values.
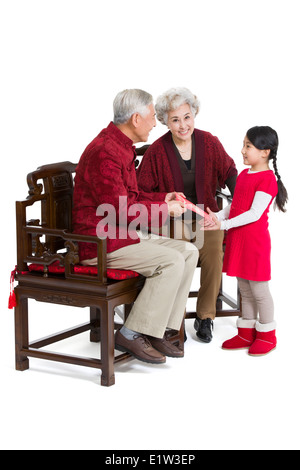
x=189, y=205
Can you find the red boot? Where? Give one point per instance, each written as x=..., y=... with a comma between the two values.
x=245, y=337
x=265, y=340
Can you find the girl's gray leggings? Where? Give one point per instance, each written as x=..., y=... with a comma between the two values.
x=257, y=301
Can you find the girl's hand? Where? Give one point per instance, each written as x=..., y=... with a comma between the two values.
x=211, y=224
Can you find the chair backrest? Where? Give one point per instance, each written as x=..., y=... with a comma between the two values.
x=58, y=188
x=56, y=207
x=52, y=186
x=140, y=151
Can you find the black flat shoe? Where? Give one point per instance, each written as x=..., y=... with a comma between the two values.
x=204, y=329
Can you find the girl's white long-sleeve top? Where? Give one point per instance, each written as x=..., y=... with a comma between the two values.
x=260, y=203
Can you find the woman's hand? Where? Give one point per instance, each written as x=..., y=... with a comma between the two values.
x=213, y=223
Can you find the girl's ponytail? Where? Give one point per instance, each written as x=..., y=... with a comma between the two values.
x=282, y=195
x=265, y=138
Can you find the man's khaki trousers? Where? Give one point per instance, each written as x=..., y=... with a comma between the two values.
x=168, y=266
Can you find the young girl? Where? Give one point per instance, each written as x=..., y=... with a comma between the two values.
x=248, y=245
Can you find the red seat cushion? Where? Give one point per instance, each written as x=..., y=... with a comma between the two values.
x=55, y=268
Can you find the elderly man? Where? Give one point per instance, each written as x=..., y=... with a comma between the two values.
x=106, y=185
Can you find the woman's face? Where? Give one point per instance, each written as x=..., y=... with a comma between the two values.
x=181, y=122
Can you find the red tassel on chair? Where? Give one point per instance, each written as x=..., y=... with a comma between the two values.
x=12, y=301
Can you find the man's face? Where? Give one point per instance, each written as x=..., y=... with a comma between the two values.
x=146, y=124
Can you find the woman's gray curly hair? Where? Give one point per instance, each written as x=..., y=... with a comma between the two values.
x=172, y=99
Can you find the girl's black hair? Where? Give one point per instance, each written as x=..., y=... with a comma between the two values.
x=265, y=138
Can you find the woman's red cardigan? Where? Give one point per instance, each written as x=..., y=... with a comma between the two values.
x=159, y=169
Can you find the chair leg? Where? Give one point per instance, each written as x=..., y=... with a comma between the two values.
x=177, y=337
x=127, y=310
x=95, y=319
x=21, y=333
x=182, y=335
x=107, y=345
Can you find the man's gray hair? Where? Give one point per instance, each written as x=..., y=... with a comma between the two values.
x=129, y=102
x=172, y=99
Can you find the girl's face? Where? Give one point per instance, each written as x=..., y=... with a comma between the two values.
x=181, y=123
x=258, y=159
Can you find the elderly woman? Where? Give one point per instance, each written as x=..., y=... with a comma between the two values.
x=193, y=162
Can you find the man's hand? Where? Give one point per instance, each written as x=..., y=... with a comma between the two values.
x=172, y=196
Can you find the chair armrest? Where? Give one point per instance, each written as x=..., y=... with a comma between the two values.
x=71, y=257
x=222, y=196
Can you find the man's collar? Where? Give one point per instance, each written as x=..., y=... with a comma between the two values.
x=120, y=135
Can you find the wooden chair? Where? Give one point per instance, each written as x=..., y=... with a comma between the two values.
x=48, y=271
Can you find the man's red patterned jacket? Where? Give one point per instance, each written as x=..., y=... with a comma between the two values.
x=105, y=172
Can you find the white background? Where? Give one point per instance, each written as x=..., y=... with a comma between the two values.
x=62, y=63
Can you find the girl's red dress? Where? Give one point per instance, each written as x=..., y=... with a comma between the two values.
x=248, y=248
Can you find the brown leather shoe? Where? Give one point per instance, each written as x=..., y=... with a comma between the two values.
x=139, y=347
x=166, y=347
